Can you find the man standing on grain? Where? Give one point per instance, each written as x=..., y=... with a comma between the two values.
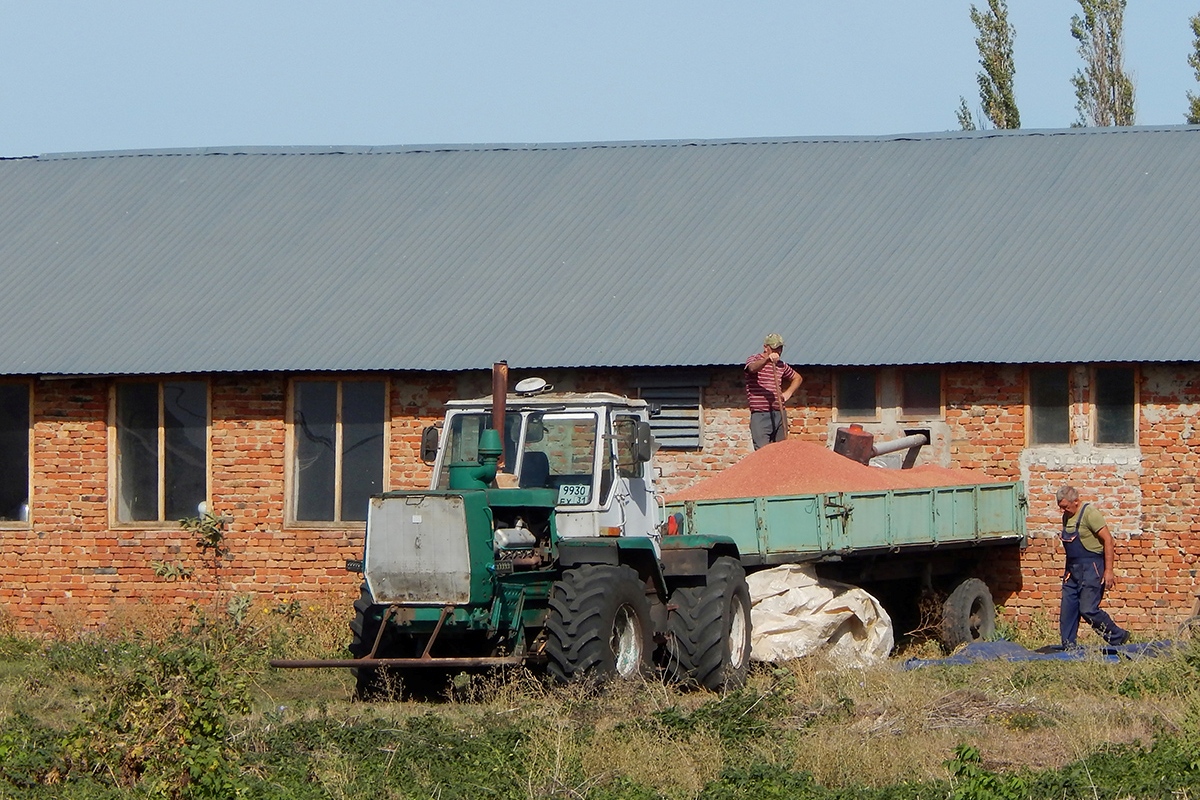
x=1089, y=570
x=769, y=384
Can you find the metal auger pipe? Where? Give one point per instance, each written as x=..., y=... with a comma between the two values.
x=904, y=443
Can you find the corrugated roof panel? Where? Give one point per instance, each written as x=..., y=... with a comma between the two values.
x=1014, y=247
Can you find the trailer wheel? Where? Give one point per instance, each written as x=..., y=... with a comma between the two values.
x=599, y=624
x=968, y=615
x=709, y=627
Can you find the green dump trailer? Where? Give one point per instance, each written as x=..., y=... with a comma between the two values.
x=906, y=545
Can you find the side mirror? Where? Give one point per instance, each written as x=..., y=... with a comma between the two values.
x=535, y=430
x=644, y=448
x=429, y=444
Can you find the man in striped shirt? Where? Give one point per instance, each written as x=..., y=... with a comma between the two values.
x=769, y=384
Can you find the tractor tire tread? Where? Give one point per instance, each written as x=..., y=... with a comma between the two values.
x=699, y=629
x=958, y=626
x=579, y=626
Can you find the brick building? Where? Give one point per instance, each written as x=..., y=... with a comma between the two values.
x=268, y=331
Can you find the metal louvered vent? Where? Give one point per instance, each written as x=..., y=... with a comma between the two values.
x=675, y=416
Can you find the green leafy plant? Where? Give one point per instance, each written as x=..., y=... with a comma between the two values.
x=211, y=533
x=738, y=716
x=29, y=753
x=291, y=610
x=238, y=608
x=1006, y=631
x=972, y=782
x=171, y=570
x=164, y=723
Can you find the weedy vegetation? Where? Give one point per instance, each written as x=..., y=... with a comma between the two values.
x=164, y=708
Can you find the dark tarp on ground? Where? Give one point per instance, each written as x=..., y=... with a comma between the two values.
x=1011, y=651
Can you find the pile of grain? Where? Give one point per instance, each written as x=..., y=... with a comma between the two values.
x=795, y=467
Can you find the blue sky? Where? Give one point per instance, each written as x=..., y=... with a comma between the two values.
x=82, y=76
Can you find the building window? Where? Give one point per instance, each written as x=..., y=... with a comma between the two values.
x=674, y=416
x=1116, y=405
x=921, y=393
x=857, y=394
x=14, y=452
x=338, y=436
x=162, y=450
x=1049, y=412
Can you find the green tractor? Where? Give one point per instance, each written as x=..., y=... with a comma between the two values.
x=542, y=542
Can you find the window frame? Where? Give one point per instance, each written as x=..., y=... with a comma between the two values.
x=291, y=481
x=838, y=415
x=114, y=472
x=1029, y=405
x=901, y=412
x=27, y=523
x=1094, y=407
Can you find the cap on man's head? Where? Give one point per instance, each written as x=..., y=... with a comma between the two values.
x=773, y=340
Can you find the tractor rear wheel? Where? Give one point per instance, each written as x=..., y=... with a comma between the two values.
x=968, y=615
x=599, y=624
x=709, y=629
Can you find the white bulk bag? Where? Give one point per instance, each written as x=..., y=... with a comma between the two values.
x=794, y=613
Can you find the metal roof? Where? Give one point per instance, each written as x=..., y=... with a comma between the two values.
x=1075, y=245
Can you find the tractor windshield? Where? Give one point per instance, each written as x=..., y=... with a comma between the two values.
x=560, y=453
x=462, y=442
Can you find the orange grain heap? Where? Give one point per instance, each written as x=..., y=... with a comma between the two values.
x=795, y=467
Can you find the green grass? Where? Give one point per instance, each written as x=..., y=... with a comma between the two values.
x=195, y=712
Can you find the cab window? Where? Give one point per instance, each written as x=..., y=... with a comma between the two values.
x=462, y=442
x=625, y=444
x=562, y=456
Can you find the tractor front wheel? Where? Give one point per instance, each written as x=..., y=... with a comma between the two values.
x=599, y=624
x=369, y=682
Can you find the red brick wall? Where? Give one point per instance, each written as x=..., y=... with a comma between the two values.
x=1145, y=493
x=1163, y=522
x=64, y=559
x=70, y=566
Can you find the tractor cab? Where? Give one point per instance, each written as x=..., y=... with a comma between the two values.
x=592, y=451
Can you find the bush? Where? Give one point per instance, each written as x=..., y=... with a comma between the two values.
x=30, y=754
x=164, y=723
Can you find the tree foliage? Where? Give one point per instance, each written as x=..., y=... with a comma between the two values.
x=1103, y=91
x=1193, y=115
x=965, y=120
x=995, y=44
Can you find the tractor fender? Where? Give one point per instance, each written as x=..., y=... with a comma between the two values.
x=637, y=552
x=692, y=554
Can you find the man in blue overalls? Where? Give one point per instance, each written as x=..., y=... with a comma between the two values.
x=1089, y=570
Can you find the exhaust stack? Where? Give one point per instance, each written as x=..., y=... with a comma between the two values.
x=499, y=396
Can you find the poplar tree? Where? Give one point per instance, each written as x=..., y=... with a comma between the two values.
x=964, y=115
x=995, y=44
x=1193, y=115
x=1103, y=92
